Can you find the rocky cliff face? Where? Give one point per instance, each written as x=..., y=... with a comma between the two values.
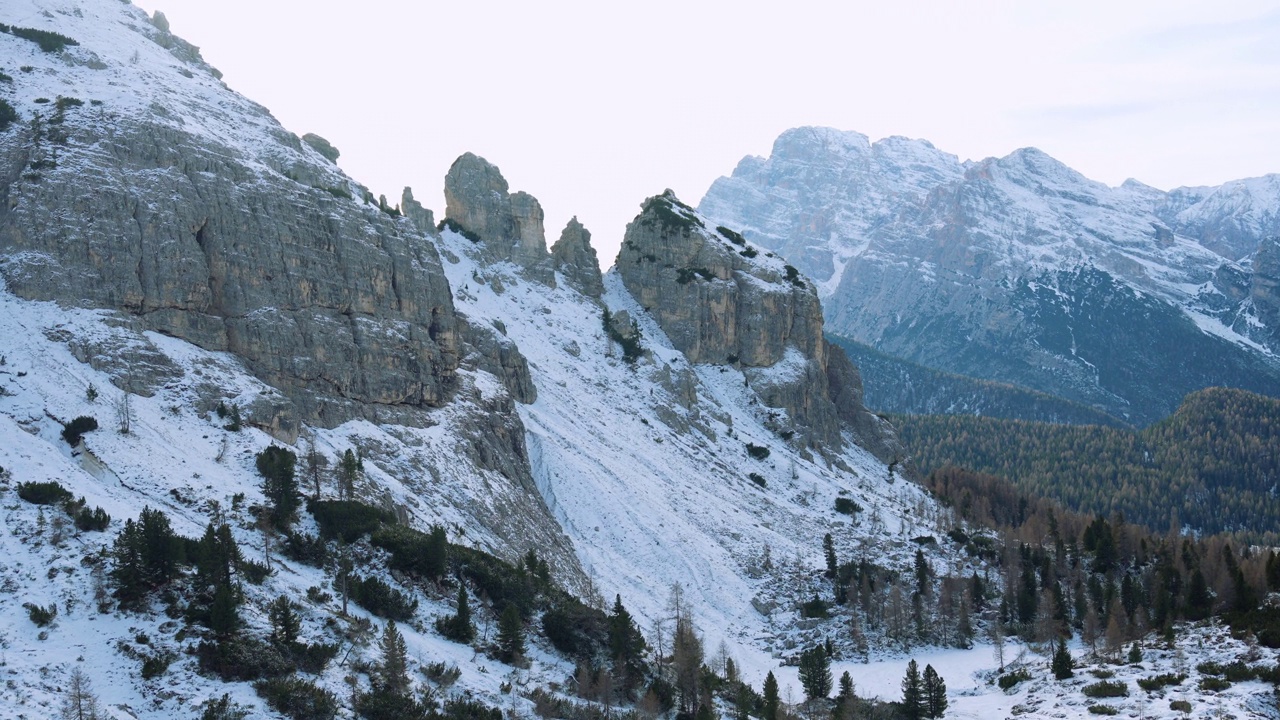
x=721, y=300
x=1005, y=269
x=343, y=309
x=219, y=227
x=152, y=192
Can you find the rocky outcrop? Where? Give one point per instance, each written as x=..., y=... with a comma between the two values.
x=576, y=260
x=322, y=146
x=508, y=226
x=716, y=304
x=499, y=356
x=422, y=218
x=342, y=307
x=721, y=300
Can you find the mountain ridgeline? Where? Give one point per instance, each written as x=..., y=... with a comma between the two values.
x=1022, y=271
x=1212, y=466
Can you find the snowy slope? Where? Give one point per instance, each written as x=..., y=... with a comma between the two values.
x=126, y=68
x=645, y=506
x=652, y=495
x=180, y=460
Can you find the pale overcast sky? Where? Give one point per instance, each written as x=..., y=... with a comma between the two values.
x=592, y=106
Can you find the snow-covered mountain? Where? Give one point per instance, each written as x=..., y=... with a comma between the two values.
x=169, y=251
x=164, y=240
x=1021, y=270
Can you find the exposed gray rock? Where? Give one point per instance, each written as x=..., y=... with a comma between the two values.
x=722, y=301
x=477, y=198
x=509, y=227
x=422, y=218
x=869, y=430
x=498, y=355
x=576, y=260
x=160, y=21
x=343, y=308
x=274, y=414
x=1232, y=281
x=681, y=383
x=531, y=249
x=189, y=210
x=322, y=146
x=715, y=304
x=132, y=361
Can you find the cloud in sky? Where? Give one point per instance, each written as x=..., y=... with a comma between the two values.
x=593, y=106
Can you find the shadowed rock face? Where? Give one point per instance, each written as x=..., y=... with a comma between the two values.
x=1265, y=289
x=342, y=307
x=720, y=300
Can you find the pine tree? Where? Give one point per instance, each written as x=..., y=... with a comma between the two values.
x=162, y=549
x=393, y=670
x=844, y=698
x=815, y=673
x=935, y=693
x=687, y=657
x=316, y=463
x=829, y=550
x=626, y=647
x=913, y=706
x=224, y=615
x=458, y=628
x=706, y=708
x=964, y=626
x=742, y=702
x=217, y=556
x=349, y=468
x=923, y=573
x=276, y=466
x=1063, y=666
x=511, y=634
x=1135, y=654
x=285, y=624
x=1199, y=600
x=1028, y=600
x=769, y=709
x=126, y=565
x=846, y=685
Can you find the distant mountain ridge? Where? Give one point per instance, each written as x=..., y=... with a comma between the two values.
x=1021, y=270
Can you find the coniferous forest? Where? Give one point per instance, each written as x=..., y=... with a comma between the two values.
x=1211, y=467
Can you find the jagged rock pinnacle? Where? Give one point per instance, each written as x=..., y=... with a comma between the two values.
x=576, y=260
x=509, y=226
